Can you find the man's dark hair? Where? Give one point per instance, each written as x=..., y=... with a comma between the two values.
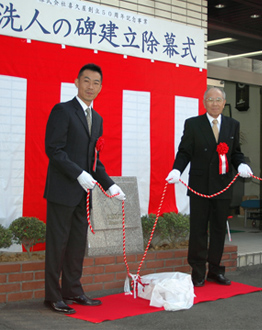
x=92, y=67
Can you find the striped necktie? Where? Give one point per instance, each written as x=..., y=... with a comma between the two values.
x=88, y=119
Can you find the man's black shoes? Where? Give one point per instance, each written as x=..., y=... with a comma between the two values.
x=83, y=300
x=59, y=306
x=218, y=278
x=198, y=282
x=62, y=307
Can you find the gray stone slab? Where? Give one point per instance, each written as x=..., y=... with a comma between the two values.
x=107, y=221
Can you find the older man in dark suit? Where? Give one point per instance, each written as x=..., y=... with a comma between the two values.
x=72, y=131
x=205, y=139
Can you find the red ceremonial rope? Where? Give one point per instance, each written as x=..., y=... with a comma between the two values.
x=123, y=222
x=152, y=233
x=124, y=238
x=256, y=177
x=213, y=195
x=87, y=204
x=155, y=223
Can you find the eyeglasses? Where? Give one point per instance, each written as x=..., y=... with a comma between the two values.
x=218, y=100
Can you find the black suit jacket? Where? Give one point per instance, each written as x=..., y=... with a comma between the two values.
x=70, y=150
x=198, y=146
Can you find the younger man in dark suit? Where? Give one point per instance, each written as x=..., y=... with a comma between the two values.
x=72, y=131
x=209, y=174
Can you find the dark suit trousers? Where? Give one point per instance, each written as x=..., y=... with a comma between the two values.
x=66, y=236
x=204, y=211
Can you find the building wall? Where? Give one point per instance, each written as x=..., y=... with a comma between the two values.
x=249, y=131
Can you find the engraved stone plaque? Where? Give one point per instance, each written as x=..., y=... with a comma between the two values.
x=107, y=221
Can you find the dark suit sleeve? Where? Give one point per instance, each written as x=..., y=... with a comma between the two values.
x=56, y=143
x=185, y=149
x=237, y=156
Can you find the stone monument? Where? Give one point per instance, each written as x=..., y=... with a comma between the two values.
x=106, y=219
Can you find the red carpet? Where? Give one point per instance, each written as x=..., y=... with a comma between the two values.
x=118, y=306
x=212, y=291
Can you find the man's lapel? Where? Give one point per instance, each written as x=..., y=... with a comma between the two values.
x=95, y=123
x=224, y=129
x=206, y=130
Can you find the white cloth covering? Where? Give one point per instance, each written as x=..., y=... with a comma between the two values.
x=173, y=291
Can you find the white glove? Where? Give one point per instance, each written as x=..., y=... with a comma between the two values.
x=173, y=176
x=244, y=170
x=86, y=180
x=115, y=189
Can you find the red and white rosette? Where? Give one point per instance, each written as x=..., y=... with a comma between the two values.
x=99, y=147
x=222, y=150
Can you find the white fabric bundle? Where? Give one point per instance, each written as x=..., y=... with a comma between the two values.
x=173, y=291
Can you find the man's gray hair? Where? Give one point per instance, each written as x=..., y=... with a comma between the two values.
x=221, y=90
